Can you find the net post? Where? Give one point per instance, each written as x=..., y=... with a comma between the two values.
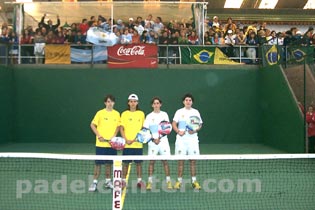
x=117, y=182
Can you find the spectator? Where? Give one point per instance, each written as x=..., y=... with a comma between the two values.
x=251, y=50
x=158, y=25
x=49, y=26
x=14, y=41
x=144, y=38
x=310, y=119
x=126, y=37
x=135, y=39
x=138, y=27
x=26, y=51
x=131, y=23
x=84, y=26
x=193, y=38
x=39, y=47
x=215, y=22
x=183, y=39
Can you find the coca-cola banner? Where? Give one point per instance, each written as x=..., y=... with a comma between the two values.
x=133, y=56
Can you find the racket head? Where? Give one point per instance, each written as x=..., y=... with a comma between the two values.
x=193, y=123
x=165, y=128
x=117, y=143
x=144, y=136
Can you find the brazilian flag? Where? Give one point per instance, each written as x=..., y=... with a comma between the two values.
x=197, y=55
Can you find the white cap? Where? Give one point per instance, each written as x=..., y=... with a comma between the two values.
x=214, y=17
x=131, y=19
x=299, y=32
x=230, y=32
x=133, y=97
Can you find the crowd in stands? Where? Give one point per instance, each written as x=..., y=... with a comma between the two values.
x=153, y=30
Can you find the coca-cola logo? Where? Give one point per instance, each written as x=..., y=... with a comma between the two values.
x=129, y=51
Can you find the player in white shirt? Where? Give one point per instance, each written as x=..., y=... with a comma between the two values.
x=187, y=142
x=159, y=145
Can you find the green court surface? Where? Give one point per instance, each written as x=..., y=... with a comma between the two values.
x=288, y=184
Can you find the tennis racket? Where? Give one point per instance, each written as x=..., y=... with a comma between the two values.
x=117, y=143
x=144, y=136
x=193, y=123
x=164, y=128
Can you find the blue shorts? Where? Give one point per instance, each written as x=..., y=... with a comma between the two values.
x=132, y=151
x=104, y=151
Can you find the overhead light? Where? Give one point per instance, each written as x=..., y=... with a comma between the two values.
x=233, y=4
x=268, y=4
x=310, y=4
x=24, y=1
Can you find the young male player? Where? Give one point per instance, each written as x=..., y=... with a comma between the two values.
x=159, y=144
x=187, y=142
x=131, y=123
x=105, y=126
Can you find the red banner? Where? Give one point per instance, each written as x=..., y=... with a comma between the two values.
x=133, y=56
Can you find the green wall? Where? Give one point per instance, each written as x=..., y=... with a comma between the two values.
x=57, y=105
x=237, y=105
x=281, y=121
x=6, y=104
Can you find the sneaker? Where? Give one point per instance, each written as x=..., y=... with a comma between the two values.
x=177, y=185
x=149, y=186
x=169, y=185
x=109, y=185
x=141, y=185
x=93, y=187
x=196, y=185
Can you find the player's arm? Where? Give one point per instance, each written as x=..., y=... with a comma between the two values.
x=122, y=133
x=175, y=128
x=95, y=131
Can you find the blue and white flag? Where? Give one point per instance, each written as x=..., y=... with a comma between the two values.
x=85, y=55
x=101, y=37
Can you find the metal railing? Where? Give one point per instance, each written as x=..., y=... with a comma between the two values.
x=11, y=54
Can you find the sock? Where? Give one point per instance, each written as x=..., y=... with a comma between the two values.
x=107, y=180
x=193, y=179
x=168, y=179
x=139, y=180
x=180, y=179
x=150, y=179
x=95, y=181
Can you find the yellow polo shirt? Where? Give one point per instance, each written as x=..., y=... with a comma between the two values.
x=132, y=123
x=106, y=123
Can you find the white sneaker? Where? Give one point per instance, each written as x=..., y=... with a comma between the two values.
x=93, y=187
x=109, y=185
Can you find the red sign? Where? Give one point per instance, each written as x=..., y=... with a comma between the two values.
x=133, y=56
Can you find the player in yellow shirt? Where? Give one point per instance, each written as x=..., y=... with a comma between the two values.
x=105, y=126
x=131, y=123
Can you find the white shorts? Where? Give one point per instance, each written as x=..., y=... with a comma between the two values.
x=187, y=146
x=163, y=148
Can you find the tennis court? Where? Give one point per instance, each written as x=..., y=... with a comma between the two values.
x=242, y=110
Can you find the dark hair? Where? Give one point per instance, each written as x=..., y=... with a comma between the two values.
x=156, y=98
x=188, y=95
x=109, y=96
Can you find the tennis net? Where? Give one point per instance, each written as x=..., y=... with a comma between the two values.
x=59, y=181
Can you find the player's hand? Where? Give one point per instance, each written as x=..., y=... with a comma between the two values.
x=156, y=141
x=129, y=142
x=181, y=133
x=101, y=139
x=192, y=132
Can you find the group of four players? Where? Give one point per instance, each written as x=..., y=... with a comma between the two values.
x=108, y=122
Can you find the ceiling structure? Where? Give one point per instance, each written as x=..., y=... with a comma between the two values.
x=248, y=10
